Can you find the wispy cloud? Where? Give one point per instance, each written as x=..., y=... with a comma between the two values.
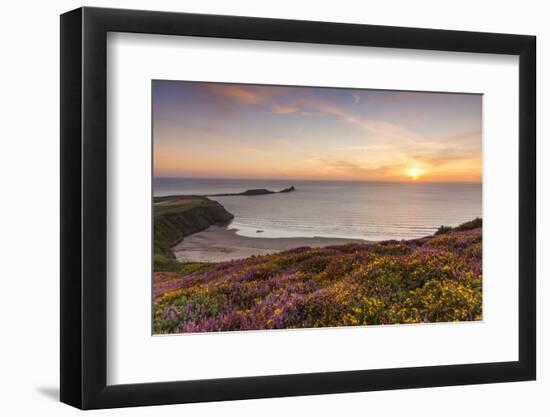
x=309, y=104
x=379, y=128
x=439, y=157
x=354, y=169
x=317, y=133
x=284, y=109
x=243, y=93
x=365, y=147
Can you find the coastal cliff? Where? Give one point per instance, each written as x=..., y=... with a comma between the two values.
x=178, y=216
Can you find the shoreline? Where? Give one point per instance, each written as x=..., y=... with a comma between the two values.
x=221, y=244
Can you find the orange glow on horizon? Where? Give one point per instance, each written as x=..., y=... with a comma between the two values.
x=415, y=173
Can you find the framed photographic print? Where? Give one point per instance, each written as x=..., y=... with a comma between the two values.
x=258, y=207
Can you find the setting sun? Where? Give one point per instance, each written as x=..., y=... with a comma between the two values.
x=415, y=173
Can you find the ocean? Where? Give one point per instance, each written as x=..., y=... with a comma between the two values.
x=358, y=210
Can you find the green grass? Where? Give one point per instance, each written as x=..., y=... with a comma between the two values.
x=180, y=204
x=472, y=224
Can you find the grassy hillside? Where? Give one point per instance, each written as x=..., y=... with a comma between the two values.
x=178, y=216
x=433, y=279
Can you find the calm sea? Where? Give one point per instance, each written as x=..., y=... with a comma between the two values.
x=364, y=210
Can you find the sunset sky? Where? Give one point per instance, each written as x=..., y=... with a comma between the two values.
x=253, y=131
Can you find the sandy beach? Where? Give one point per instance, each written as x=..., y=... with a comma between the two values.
x=220, y=244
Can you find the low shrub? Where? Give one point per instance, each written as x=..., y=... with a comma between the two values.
x=433, y=279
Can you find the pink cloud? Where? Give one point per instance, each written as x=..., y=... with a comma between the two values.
x=284, y=109
x=247, y=94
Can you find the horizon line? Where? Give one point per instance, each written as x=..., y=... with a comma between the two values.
x=419, y=181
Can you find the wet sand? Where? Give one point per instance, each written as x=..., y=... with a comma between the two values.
x=219, y=244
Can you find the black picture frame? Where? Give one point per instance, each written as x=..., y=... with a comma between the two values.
x=84, y=207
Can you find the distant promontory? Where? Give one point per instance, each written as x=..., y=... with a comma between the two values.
x=254, y=191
